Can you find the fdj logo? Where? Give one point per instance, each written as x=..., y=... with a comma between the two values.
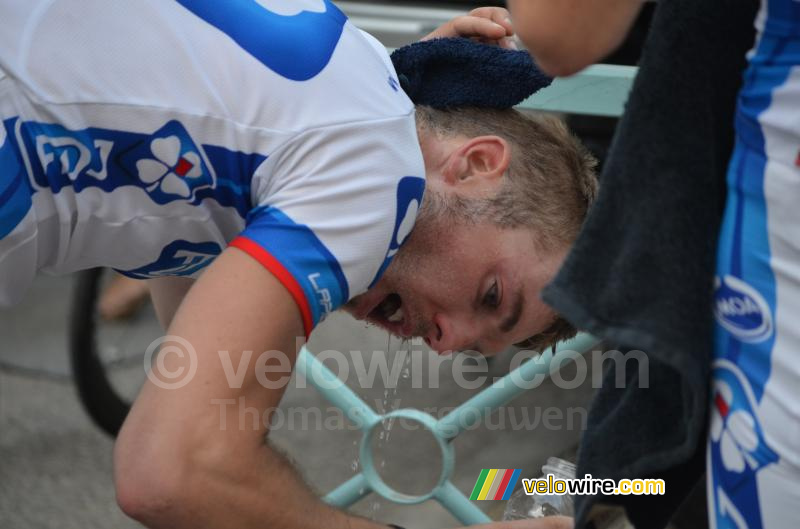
x=167, y=164
x=742, y=310
x=179, y=258
x=73, y=157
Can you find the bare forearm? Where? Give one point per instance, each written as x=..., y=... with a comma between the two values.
x=183, y=460
x=568, y=35
x=206, y=469
x=253, y=489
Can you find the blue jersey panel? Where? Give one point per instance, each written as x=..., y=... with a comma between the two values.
x=297, y=47
x=303, y=255
x=15, y=191
x=410, y=190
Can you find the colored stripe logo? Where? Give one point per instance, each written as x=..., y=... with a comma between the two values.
x=495, y=484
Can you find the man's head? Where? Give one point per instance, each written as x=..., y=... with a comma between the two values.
x=506, y=195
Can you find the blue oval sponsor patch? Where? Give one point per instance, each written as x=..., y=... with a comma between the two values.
x=742, y=310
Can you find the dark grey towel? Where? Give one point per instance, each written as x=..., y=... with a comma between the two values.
x=640, y=274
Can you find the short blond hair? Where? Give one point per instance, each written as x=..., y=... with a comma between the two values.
x=551, y=180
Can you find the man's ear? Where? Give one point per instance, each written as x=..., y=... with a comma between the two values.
x=477, y=167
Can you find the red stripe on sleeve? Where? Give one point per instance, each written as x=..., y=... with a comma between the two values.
x=503, y=484
x=282, y=274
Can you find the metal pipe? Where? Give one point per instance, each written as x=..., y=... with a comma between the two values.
x=459, y=505
x=336, y=391
x=348, y=492
x=505, y=389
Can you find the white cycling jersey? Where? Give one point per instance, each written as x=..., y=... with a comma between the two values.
x=754, y=440
x=147, y=136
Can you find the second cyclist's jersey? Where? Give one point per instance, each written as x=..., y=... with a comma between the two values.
x=754, y=434
x=147, y=136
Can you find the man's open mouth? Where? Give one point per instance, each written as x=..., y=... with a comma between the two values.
x=389, y=315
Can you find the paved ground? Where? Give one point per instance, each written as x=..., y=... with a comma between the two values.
x=55, y=467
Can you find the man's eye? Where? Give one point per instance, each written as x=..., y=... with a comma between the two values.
x=492, y=297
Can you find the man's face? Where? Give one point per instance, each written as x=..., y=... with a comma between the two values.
x=463, y=287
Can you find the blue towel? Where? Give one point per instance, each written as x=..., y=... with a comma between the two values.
x=457, y=72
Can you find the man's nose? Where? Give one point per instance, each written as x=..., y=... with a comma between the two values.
x=451, y=334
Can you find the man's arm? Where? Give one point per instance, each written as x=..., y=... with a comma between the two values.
x=568, y=35
x=177, y=463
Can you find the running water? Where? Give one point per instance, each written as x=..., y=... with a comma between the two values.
x=405, y=373
x=389, y=404
x=354, y=463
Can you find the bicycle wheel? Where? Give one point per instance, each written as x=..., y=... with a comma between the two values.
x=107, y=357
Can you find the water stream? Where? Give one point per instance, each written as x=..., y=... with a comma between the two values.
x=389, y=403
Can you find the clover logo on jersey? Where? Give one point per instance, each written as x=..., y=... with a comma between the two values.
x=733, y=422
x=169, y=165
x=738, y=448
x=170, y=169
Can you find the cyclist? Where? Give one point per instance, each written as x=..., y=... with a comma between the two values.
x=269, y=146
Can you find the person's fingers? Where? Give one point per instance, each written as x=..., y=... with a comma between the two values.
x=489, y=25
x=508, y=43
x=472, y=26
x=498, y=15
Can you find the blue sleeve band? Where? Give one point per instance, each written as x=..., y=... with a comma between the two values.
x=303, y=255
